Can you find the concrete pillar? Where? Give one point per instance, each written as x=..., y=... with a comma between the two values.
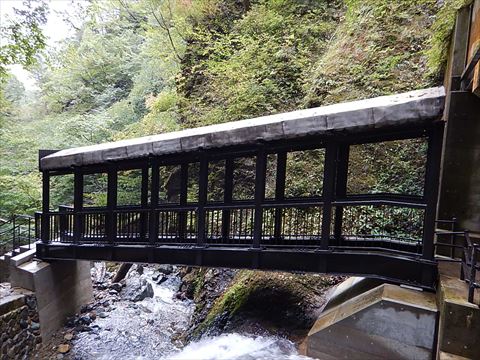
x=61, y=289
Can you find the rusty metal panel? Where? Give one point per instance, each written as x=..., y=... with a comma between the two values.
x=474, y=44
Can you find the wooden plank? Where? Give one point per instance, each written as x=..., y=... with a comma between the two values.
x=227, y=198
x=280, y=192
x=474, y=45
x=112, y=204
x=260, y=178
x=155, y=188
x=45, y=226
x=202, y=200
x=329, y=176
x=78, y=205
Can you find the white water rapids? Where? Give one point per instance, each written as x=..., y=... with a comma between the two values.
x=149, y=330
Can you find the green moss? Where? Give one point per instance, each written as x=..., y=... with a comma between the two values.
x=377, y=49
x=442, y=30
x=281, y=299
x=235, y=296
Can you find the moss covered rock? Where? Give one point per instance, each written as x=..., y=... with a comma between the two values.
x=280, y=302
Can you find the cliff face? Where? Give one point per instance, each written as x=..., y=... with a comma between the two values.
x=246, y=59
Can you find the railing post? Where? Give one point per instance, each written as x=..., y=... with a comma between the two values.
x=144, y=203
x=432, y=179
x=279, y=192
x=45, y=219
x=453, y=237
x=202, y=199
x=260, y=178
x=328, y=192
x=112, y=184
x=182, y=218
x=227, y=198
x=13, y=234
x=153, y=219
x=341, y=189
x=78, y=205
x=473, y=273
x=62, y=221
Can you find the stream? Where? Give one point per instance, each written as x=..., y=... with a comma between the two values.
x=150, y=329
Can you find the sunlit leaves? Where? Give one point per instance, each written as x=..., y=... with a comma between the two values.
x=22, y=38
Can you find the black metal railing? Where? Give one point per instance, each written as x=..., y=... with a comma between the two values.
x=457, y=246
x=17, y=231
x=382, y=225
x=288, y=224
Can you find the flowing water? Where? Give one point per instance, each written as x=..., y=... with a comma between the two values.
x=149, y=330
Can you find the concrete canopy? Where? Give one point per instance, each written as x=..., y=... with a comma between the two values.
x=410, y=108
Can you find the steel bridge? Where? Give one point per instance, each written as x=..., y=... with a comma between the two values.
x=228, y=195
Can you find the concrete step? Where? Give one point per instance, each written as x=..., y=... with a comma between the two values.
x=23, y=257
x=25, y=248
x=8, y=255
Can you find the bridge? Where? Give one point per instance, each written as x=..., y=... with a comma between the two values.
x=221, y=195
x=295, y=192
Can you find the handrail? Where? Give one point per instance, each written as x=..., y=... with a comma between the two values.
x=20, y=229
x=468, y=256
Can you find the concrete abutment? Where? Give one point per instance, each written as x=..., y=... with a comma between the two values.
x=365, y=318
x=61, y=289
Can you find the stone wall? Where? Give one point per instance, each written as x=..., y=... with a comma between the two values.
x=19, y=325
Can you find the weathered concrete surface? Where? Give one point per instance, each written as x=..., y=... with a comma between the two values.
x=459, y=324
x=4, y=270
x=460, y=182
x=386, y=322
x=415, y=107
x=61, y=288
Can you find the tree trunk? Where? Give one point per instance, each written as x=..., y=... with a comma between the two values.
x=122, y=272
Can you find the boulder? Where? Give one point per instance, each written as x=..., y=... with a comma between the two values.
x=137, y=289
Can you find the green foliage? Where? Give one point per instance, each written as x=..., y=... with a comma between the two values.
x=378, y=49
x=256, y=64
x=442, y=29
x=143, y=67
x=22, y=37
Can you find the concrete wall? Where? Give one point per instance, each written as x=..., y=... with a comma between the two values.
x=4, y=271
x=460, y=188
x=459, y=324
x=61, y=288
x=385, y=322
x=460, y=182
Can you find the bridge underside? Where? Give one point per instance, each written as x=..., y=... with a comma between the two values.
x=272, y=193
x=368, y=262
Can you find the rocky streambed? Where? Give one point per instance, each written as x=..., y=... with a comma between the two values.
x=179, y=313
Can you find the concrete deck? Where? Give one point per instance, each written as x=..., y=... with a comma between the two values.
x=415, y=107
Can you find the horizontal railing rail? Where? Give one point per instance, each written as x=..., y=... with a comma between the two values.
x=465, y=252
x=376, y=224
x=15, y=232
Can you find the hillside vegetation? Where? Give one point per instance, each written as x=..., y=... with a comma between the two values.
x=136, y=68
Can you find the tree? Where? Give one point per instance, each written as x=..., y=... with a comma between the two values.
x=22, y=37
